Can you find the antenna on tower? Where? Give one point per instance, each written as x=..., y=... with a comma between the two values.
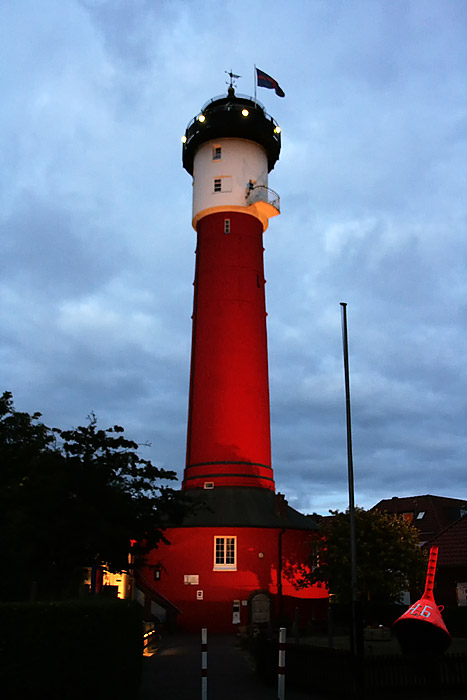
x=233, y=78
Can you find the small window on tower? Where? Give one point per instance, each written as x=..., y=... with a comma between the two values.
x=226, y=225
x=216, y=153
x=223, y=183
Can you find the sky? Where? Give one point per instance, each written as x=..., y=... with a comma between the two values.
x=97, y=249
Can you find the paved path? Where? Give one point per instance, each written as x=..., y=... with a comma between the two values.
x=174, y=672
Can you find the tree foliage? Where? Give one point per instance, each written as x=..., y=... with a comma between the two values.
x=72, y=498
x=389, y=558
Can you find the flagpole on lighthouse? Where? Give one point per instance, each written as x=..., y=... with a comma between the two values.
x=254, y=79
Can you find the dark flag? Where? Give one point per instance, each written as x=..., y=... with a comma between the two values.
x=265, y=80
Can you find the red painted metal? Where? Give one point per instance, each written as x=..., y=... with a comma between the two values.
x=229, y=440
x=421, y=628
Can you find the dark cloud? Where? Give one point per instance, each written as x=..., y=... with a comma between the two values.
x=58, y=257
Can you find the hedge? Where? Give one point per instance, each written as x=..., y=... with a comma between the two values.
x=71, y=649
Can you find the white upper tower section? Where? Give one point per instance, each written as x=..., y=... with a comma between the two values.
x=229, y=148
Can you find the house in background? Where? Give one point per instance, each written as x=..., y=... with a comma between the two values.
x=440, y=522
x=451, y=579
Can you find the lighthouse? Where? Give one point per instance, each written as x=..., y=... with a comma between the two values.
x=229, y=148
x=234, y=559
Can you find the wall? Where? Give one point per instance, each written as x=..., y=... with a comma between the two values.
x=209, y=601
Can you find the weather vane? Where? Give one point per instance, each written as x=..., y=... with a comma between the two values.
x=232, y=77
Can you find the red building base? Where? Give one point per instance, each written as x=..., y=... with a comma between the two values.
x=224, y=576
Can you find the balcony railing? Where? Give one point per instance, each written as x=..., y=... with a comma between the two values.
x=261, y=193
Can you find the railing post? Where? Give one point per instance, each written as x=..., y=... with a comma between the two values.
x=281, y=667
x=204, y=664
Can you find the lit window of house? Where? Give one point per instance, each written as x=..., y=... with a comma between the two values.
x=225, y=553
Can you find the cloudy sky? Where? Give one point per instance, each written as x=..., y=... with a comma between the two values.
x=96, y=245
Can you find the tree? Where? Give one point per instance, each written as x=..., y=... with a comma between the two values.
x=389, y=558
x=72, y=498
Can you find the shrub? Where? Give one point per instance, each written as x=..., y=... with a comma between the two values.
x=71, y=650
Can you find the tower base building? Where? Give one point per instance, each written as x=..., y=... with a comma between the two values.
x=235, y=563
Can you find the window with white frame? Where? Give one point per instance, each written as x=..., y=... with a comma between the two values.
x=223, y=183
x=225, y=553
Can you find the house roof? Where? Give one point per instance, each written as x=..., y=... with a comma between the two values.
x=452, y=543
x=429, y=514
x=242, y=506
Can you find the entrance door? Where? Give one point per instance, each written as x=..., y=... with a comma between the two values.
x=260, y=609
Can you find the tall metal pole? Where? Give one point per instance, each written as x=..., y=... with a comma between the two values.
x=356, y=634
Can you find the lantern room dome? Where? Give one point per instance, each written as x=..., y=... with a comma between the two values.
x=232, y=116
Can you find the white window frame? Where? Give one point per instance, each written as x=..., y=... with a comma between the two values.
x=222, y=183
x=225, y=560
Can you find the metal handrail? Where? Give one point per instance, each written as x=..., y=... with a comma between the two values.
x=234, y=106
x=261, y=193
x=237, y=94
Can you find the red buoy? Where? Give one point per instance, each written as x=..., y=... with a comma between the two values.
x=421, y=629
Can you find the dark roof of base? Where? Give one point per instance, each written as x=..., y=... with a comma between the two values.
x=238, y=506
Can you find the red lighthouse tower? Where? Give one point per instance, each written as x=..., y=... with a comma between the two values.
x=232, y=559
x=229, y=148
